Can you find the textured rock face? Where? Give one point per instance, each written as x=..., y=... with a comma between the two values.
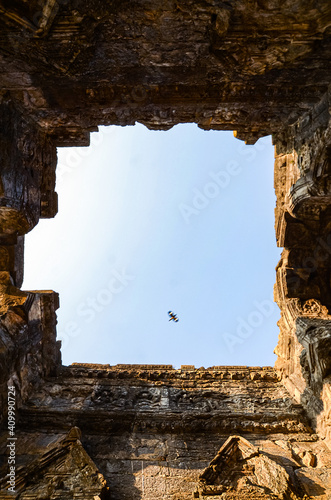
x=256, y=67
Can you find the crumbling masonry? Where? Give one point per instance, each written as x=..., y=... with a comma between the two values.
x=125, y=432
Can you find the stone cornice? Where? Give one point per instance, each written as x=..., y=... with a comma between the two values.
x=167, y=372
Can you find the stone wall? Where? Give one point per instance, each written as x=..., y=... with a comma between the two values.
x=250, y=66
x=255, y=67
x=153, y=431
x=302, y=290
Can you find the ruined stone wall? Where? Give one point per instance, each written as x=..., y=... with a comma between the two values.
x=153, y=431
x=28, y=349
x=255, y=67
x=302, y=290
x=250, y=66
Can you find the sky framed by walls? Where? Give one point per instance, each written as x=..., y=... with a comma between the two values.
x=152, y=221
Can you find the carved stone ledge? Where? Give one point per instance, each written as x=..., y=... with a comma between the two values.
x=168, y=373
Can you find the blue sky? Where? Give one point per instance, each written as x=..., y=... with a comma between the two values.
x=148, y=221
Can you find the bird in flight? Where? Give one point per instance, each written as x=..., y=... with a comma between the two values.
x=173, y=317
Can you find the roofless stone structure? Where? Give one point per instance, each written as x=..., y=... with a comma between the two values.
x=122, y=432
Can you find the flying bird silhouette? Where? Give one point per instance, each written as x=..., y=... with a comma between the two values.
x=173, y=316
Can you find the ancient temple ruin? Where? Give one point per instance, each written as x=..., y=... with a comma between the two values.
x=151, y=432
